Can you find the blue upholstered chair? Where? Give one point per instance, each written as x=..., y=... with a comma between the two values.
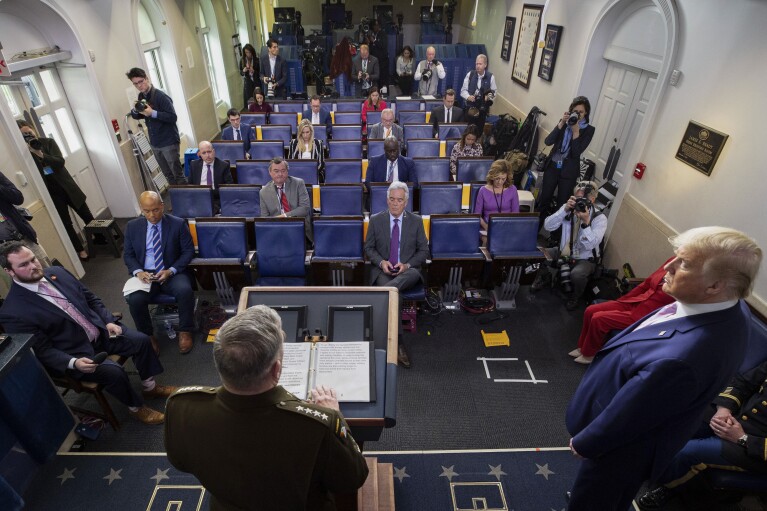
x=345, y=148
x=347, y=118
x=418, y=117
x=341, y=199
x=513, y=235
x=349, y=106
x=452, y=130
x=338, y=257
x=449, y=143
x=344, y=171
x=378, y=201
x=423, y=148
x=407, y=105
x=281, y=252
x=286, y=118
x=266, y=149
x=253, y=172
x=472, y=169
x=434, y=170
x=375, y=147
x=277, y=132
x=440, y=198
x=413, y=131
x=253, y=119
x=231, y=150
x=240, y=200
x=347, y=132
x=321, y=133
x=190, y=201
x=223, y=260
x=473, y=191
x=455, y=254
x=374, y=117
x=306, y=170
x=293, y=106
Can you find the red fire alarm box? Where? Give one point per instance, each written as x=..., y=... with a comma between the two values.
x=639, y=170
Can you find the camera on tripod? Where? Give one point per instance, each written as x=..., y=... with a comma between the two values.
x=33, y=141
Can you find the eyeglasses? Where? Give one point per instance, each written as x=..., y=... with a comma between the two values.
x=139, y=82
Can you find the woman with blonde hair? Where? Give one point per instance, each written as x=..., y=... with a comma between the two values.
x=306, y=147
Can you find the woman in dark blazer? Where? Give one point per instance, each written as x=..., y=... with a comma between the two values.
x=306, y=147
x=564, y=167
x=249, y=72
x=62, y=188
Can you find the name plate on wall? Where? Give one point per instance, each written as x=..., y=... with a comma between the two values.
x=700, y=147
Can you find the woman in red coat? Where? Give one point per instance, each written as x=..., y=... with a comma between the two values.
x=601, y=318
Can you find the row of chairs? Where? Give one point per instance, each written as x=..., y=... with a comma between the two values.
x=281, y=257
x=355, y=105
x=190, y=201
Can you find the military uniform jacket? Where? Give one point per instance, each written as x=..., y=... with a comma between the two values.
x=746, y=398
x=262, y=452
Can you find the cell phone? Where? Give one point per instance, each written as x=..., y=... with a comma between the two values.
x=99, y=357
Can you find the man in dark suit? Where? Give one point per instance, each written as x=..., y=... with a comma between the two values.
x=70, y=325
x=210, y=171
x=274, y=70
x=238, y=130
x=318, y=114
x=365, y=70
x=157, y=250
x=643, y=395
x=446, y=113
x=13, y=226
x=386, y=128
x=296, y=453
x=286, y=195
x=390, y=166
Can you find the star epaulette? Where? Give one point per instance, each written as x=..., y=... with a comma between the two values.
x=307, y=410
x=195, y=388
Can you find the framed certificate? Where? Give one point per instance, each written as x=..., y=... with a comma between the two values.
x=529, y=26
x=549, y=53
x=508, y=36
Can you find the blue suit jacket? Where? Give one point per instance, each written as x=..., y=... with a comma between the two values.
x=177, y=245
x=324, y=117
x=58, y=337
x=378, y=167
x=247, y=132
x=651, y=387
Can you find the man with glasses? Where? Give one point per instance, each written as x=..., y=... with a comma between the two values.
x=386, y=128
x=156, y=108
x=286, y=196
x=318, y=114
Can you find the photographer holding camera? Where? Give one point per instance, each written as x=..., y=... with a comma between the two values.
x=582, y=231
x=478, y=91
x=274, y=72
x=156, y=108
x=365, y=70
x=570, y=137
x=428, y=73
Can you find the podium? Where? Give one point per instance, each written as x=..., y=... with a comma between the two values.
x=367, y=420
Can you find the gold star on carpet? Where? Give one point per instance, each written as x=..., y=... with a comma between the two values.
x=543, y=470
x=449, y=473
x=113, y=475
x=67, y=474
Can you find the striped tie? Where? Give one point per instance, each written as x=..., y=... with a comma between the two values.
x=156, y=246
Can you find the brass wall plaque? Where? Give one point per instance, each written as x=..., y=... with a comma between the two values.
x=700, y=147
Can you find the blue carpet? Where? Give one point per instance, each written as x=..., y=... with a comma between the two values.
x=519, y=480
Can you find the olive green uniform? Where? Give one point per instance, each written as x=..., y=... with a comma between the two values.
x=262, y=452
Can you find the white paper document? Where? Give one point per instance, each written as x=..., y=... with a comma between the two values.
x=134, y=284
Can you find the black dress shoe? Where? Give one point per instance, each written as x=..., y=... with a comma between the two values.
x=655, y=499
x=402, y=358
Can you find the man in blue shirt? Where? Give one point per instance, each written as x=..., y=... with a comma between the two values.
x=156, y=108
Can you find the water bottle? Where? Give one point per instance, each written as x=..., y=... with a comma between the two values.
x=169, y=330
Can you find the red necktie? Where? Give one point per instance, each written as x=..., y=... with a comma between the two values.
x=284, y=200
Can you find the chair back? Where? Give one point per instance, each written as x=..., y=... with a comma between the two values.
x=276, y=132
x=472, y=169
x=341, y=199
x=449, y=143
x=306, y=170
x=231, y=150
x=374, y=117
x=418, y=117
x=408, y=105
x=454, y=236
x=513, y=235
x=440, y=198
x=473, y=191
x=288, y=118
x=346, y=118
x=321, y=133
x=253, y=119
x=266, y=149
x=240, y=200
x=452, y=130
x=379, y=202
x=344, y=171
x=413, y=131
x=434, y=170
x=349, y=106
x=344, y=148
x=293, y=106
x=347, y=132
x=375, y=147
x=423, y=148
x=190, y=201
x=253, y=172
x=222, y=239
x=281, y=246
x=338, y=239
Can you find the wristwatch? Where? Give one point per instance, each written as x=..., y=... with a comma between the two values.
x=742, y=440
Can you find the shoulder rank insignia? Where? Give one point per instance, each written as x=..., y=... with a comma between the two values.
x=307, y=410
x=195, y=388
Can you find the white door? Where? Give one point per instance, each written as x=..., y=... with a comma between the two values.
x=43, y=94
x=619, y=113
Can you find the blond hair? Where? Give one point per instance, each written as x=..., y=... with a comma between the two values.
x=309, y=145
x=497, y=168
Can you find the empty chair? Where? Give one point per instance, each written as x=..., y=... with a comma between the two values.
x=413, y=131
x=347, y=117
x=406, y=105
x=379, y=201
x=231, y=150
x=223, y=261
x=240, y=200
x=455, y=253
x=294, y=107
x=306, y=170
x=277, y=132
x=472, y=169
x=452, y=130
x=345, y=148
x=512, y=244
x=281, y=253
x=423, y=148
x=341, y=199
x=374, y=117
x=266, y=149
x=253, y=172
x=321, y=133
x=412, y=117
x=338, y=257
x=253, y=119
x=190, y=201
x=375, y=147
x=432, y=169
x=449, y=143
x=344, y=171
x=347, y=132
x=289, y=118
x=440, y=198
x=348, y=106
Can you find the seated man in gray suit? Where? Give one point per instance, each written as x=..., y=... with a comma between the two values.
x=386, y=128
x=396, y=246
x=285, y=195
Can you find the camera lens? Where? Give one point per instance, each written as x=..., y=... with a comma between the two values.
x=574, y=118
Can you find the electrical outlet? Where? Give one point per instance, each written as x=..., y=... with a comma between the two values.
x=92, y=54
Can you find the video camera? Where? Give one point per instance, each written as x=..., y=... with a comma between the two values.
x=33, y=141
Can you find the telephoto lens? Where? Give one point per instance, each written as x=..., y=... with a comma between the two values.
x=564, y=277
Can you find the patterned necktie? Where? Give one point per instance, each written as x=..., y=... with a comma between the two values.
x=210, y=176
x=394, y=243
x=662, y=314
x=388, y=132
x=390, y=172
x=284, y=200
x=90, y=329
x=156, y=246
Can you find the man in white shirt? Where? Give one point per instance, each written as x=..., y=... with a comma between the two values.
x=210, y=171
x=386, y=128
x=428, y=73
x=446, y=113
x=477, y=91
x=274, y=70
x=365, y=70
x=238, y=130
x=317, y=113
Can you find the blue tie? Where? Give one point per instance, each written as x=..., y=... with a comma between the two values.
x=156, y=247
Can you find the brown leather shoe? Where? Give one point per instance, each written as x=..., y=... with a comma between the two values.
x=149, y=416
x=155, y=344
x=159, y=391
x=185, y=343
x=402, y=358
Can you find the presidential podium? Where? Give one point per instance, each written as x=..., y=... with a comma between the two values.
x=312, y=308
